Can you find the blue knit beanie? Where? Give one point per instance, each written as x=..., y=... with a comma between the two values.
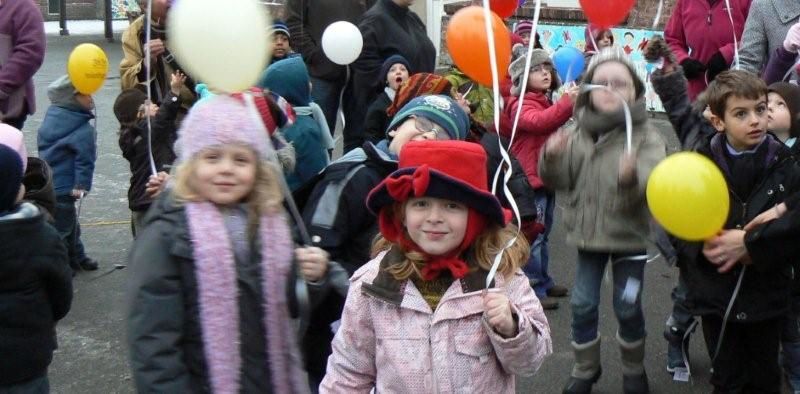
x=440, y=109
x=387, y=65
x=280, y=27
x=10, y=177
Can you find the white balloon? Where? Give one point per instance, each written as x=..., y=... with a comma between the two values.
x=223, y=44
x=342, y=42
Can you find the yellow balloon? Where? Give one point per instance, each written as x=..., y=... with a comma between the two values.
x=87, y=68
x=687, y=194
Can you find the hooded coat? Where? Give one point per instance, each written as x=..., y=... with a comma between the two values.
x=22, y=47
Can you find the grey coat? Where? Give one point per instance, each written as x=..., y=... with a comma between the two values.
x=766, y=27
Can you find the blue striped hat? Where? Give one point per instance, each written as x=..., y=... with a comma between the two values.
x=442, y=110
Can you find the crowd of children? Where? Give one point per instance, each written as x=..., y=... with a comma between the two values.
x=262, y=265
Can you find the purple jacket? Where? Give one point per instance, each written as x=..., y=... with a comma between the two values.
x=22, y=39
x=779, y=63
x=704, y=27
x=390, y=340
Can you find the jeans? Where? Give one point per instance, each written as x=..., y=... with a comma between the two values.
x=536, y=268
x=681, y=317
x=628, y=283
x=748, y=358
x=40, y=385
x=137, y=221
x=326, y=94
x=66, y=222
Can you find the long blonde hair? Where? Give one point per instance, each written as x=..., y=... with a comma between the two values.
x=487, y=245
x=266, y=197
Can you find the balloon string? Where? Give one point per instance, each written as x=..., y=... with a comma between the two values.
x=735, y=41
x=149, y=101
x=628, y=120
x=658, y=14
x=591, y=36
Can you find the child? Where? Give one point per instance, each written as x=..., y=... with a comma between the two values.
x=35, y=284
x=760, y=175
x=131, y=113
x=335, y=212
x=605, y=213
x=523, y=30
x=539, y=119
x=783, y=102
x=209, y=306
x=281, y=47
x=67, y=142
x=394, y=73
x=418, y=317
x=309, y=134
x=603, y=38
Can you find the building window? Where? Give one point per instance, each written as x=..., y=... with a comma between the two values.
x=561, y=4
x=53, y=6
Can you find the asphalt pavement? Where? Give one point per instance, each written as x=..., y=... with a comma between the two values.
x=92, y=355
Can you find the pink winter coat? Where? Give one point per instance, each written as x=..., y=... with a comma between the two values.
x=390, y=340
x=539, y=119
x=706, y=29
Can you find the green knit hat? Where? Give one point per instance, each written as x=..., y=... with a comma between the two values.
x=440, y=109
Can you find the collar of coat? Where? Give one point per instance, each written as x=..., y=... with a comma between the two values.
x=391, y=290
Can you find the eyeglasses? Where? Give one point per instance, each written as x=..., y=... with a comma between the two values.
x=615, y=84
x=425, y=125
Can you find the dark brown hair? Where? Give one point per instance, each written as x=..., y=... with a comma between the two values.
x=733, y=83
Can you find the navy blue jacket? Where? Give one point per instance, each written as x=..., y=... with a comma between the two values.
x=67, y=142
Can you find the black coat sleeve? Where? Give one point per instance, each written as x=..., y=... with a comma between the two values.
x=155, y=315
x=376, y=120
x=690, y=125
x=57, y=275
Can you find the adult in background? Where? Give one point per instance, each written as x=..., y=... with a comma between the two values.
x=132, y=69
x=307, y=20
x=700, y=34
x=389, y=27
x=765, y=31
x=22, y=44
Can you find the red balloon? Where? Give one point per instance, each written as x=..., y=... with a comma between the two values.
x=606, y=13
x=503, y=8
x=469, y=46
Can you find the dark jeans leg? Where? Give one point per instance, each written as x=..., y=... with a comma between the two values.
x=729, y=375
x=681, y=317
x=586, y=295
x=40, y=385
x=537, y=267
x=627, y=296
x=66, y=222
x=326, y=95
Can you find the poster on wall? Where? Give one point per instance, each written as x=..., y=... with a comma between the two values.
x=121, y=8
x=632, y=42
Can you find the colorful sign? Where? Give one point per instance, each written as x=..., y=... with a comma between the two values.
x=120, y=8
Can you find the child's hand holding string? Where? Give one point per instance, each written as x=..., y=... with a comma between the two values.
x=557, y=143
x=312, y=261
x=727, y=249
x=176, y=82
x=497, y=308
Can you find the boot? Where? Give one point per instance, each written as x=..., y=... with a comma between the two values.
x=674, y=335
x=586, y=371
x=634, y=378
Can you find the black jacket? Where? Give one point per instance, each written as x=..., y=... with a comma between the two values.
x=164, y=328
x=376, y=121
x=133, y=142
x=35, y=292
x=518, y=185
x=308, y=19
x=39, y=190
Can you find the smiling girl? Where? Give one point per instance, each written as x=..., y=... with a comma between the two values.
x=418, y=317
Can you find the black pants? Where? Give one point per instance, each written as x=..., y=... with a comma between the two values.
x=748, y=358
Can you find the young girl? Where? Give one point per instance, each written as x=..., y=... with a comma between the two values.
x=418, y=317
x=212, y=286
x=606, y=213
x=394, y=72
x=538, y=120
x=596, y=40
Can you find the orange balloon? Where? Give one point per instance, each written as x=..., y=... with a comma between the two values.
x=469, y=46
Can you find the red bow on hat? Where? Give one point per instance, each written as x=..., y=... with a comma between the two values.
x=400, y=188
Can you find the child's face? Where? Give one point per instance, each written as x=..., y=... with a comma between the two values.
x=616, y=76
x=540, y=78
x=526, y=38
x=604, y=41
x=779, y=120
x=437, y=226
x=396, y=76
x=744, y=121
x=415, y=128
x=85, y=101
x=225, y=174
x=280, y=45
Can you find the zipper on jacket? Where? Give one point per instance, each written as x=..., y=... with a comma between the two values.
x=708, y=18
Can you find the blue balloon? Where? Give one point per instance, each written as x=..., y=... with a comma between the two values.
x=569, y=63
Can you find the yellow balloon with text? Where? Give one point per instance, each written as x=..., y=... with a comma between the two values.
x=87, y=68
x=687, y=194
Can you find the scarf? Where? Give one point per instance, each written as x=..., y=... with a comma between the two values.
x=316, y=113
x=215, y=268
x=599, y=123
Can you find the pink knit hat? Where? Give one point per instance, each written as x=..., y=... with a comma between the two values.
x=12, y=138
x=221, y=120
